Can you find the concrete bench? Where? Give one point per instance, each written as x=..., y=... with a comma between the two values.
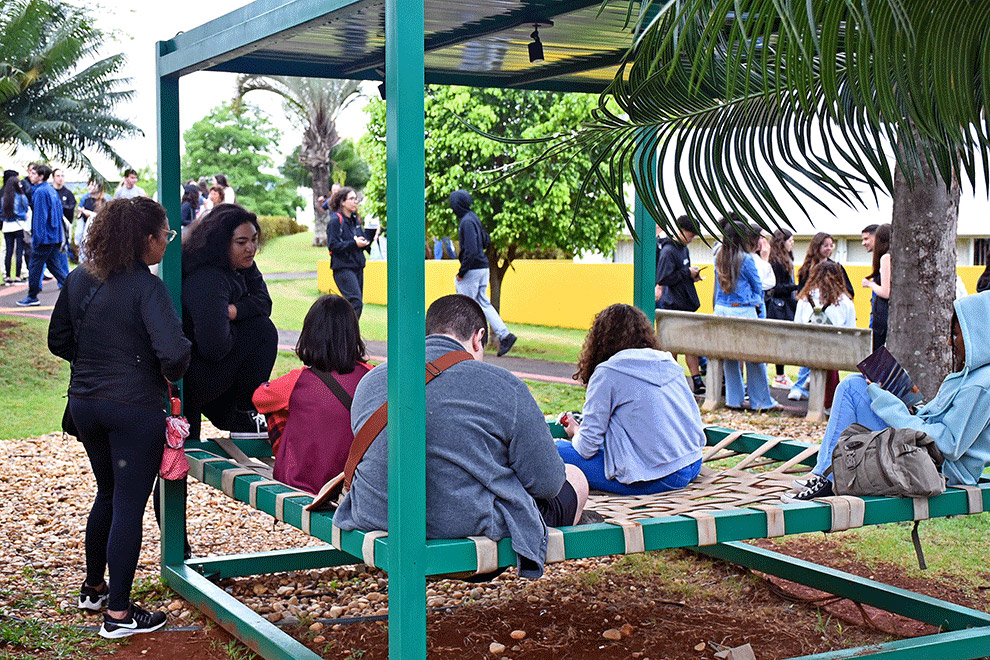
x=822, y=348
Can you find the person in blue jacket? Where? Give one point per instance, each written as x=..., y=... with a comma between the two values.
x=958, y=418
x=640, y=431
x=46, y=237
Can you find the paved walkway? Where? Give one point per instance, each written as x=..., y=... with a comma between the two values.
x=531, y=369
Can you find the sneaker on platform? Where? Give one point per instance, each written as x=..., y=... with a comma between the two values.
x=782, y=382
x=818, y=486
x=249, y=425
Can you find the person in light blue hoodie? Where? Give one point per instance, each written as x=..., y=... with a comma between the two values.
x=640, y=431
x=958, y=418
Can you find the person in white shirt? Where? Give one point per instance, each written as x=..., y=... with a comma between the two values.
x=129, y=187
x=228, y=193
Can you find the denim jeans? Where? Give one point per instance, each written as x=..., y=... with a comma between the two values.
x=474, y=285
x=45, y=254
x=850, y=406
x=801, y=384
x=594, y=469
x=756, y=372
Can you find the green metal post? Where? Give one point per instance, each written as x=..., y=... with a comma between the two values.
x=404, y=84
x=644, y=252
x=173, y=493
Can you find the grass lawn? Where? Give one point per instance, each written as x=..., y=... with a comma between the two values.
x=33, y=381
x=290, y=254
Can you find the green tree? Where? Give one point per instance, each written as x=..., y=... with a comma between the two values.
x=51, y=101
x=238, y=144
x=818, y=100
x=523, y=213
x=346, y=167
x=316, y=103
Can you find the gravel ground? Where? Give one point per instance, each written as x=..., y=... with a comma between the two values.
x=48, y=486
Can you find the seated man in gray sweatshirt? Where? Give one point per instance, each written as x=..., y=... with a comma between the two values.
x=492, y=468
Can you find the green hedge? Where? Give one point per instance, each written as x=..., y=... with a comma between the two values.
x=273, y=226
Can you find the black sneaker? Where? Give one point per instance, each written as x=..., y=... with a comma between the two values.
x=590, y=517
x=249, y=426
x=817, y=486
x=505, y=344
x=91, y=598
x=139, y=620
x=699, y=385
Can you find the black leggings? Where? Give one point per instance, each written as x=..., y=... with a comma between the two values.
x=15, y=247
x=221, y=389
x=124, y=444
x=350, y=283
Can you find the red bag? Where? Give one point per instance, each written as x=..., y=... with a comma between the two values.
x=175, y=465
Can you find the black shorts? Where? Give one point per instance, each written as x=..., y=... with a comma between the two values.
x=559, y=511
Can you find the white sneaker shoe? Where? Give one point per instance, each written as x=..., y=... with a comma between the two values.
x=782, y=382
x=796, y=395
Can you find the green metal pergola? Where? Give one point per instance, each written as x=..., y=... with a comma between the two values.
x=410, y=43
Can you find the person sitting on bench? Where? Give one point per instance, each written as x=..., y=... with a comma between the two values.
x=958, y=418
x=641, y=430
x=491, y=465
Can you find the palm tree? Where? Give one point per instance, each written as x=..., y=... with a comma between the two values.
x=47, y=104
x=823, y=99
x=317, y=104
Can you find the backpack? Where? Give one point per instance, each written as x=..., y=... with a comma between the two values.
x=819, y=317
x=891, y=462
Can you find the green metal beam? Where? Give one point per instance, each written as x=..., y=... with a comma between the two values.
x=406, y=203
x=956, y=645
x=939, y=613
x=276, y=561
x=256, y=632
x=247, y=29
x=169, y=177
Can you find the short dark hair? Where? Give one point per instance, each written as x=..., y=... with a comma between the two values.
x=455, y=315
x=870, y=229
x=129, y=172
x=331, y=339
x=687, y=224
x=209, y=240
x=42, y=170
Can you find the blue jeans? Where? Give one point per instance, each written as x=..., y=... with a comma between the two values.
x=594, y=470
x=474, y=285
x=801, y=384
x=756, y=372
x=45, y=254
x=443, y=247
x=851, y=405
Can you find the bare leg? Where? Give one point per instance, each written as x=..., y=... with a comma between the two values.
x=580, y=485
x=692, y=364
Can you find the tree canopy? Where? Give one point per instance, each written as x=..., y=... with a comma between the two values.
x=51, y=101
x=348, y=168
x=523, y=213
x=238, y=145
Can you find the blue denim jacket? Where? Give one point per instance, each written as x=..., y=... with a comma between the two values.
x=749, y=289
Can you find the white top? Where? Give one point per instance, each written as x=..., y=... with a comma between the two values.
x=228, y=195
x=841, y=313
x=127, y=193
x=765, y=271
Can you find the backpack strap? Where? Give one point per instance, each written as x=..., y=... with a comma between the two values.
x=334, y=386
x=376, y=423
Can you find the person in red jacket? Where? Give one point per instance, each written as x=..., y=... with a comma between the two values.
x=308, y=409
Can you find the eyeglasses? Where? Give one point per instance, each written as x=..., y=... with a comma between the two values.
x=171, y=234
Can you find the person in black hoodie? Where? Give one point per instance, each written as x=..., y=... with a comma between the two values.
x=675, y=283
x=347, y=244
x=225, y=313
x=473, y=275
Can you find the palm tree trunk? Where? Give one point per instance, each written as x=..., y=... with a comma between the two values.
x=496, y=271
x=321, y=188
x=923, y=276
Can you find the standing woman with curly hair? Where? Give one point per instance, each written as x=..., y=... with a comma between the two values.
x=640, y=431
x=115, y=324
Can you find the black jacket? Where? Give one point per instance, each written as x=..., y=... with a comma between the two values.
x=344, y=252
x=674, y=275
x=206, y=292
x=472, y=238
x=129, y=339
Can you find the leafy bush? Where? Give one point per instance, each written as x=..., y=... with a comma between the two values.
x=273, y=226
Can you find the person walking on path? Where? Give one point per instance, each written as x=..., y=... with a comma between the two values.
x=47, y=232
x=13, y=214
x=129, y=188
x=675, y=283
x=473, y=275
x=347, y=244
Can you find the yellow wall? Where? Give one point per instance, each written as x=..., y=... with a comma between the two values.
x=568, y=295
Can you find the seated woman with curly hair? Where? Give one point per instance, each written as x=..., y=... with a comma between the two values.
x=641, y=430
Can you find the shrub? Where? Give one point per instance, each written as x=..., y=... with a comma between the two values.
x=273, y=226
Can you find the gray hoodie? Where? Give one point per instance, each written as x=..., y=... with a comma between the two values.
x=639, y=407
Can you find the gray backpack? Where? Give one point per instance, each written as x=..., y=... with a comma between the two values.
x=891, y=462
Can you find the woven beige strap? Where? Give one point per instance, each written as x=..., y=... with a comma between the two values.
x=253, y=490
x=304, y=522
x=769, y=444
x=974, y=498
x=368, y=547
x=920, y=508
x=555, y=545
x=196, y=466
x=707, y=534
x=227, y=479
x=807, y=452
x=632, y=533
x=847, y=512
x=722, y=444
x=486, y=551
x=280, y=502
x=775, y=520
x=335, y=537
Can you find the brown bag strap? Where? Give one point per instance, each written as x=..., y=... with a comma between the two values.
x=376, y=423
